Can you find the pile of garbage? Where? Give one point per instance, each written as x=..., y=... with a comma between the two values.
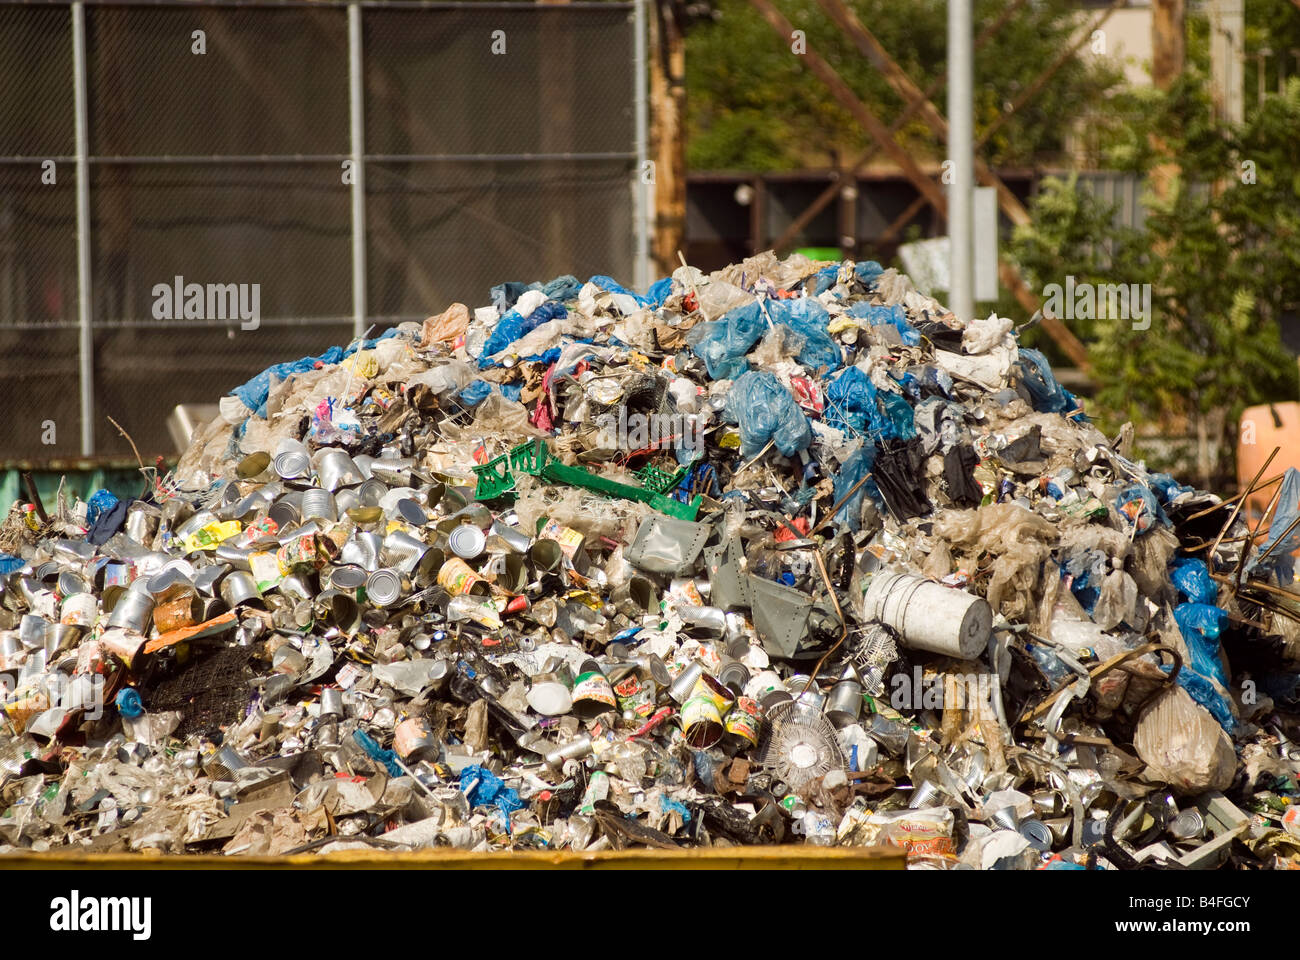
x=786, y=553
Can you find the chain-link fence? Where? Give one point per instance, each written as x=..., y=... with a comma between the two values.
x=229, y=164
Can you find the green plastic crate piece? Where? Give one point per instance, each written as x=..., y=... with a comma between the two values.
x=530, y=457
x=497, y=478
x=657, y=480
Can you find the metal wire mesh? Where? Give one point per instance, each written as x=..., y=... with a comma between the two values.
x=217, y=138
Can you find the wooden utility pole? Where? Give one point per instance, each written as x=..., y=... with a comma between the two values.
x=1168, y=42
x=668, y=145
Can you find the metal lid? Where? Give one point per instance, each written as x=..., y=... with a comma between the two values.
x=383, y=587
x=410, y=511
x=292, y=465
x=467, y=541
x=347, y=577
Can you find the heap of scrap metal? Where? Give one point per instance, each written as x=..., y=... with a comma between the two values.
x=783, y=553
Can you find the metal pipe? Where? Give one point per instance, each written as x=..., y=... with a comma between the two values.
x=356, y=120
x=86, y=341
x=961, y=159
x=643, y=190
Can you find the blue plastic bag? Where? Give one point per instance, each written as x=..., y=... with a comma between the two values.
x=1167, y=488
x=1200, y=624
x=823, y=279
x=253, y=394
x=562, y=289
x=764, y=410
x=506, y=295
x=723, y=343
x=879, y=315
x=475, y=393
x=1047, y=394
x=868, y=271
x=1192, y=578
x=853, y=401
x=100, y=501
x=857, y=466
x=808, y=318
x=610, y=285
x=660, y=291
x=483, y=788
x=513, y=326
x=1140, y=508
x=1280, y=560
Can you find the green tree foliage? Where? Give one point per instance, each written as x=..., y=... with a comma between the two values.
x=1219, y=249
x=752, y=104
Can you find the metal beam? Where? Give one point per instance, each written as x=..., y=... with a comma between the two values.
x=824, y=198
x=861, y=112
x=643, y=186
x=1007, y=272
x=961, y=161
x=86, y=343
x=357, y=128
x=1038, y=82
x=894, y=75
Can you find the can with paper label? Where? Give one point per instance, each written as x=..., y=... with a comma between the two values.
x=458, y=578
x=592, y=693
x=743, y=720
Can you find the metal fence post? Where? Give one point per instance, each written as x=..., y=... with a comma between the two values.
x=643, y=210
x=86, y=342
x=356, y=118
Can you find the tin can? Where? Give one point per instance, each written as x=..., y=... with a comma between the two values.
x=292, y=465
x=363, y=549
x=685, y=682
x=703, y=710
x=132, y=611
x=335, y=469
x=318, y=504
x=237, y=587
x=702, y=722
x=547, y=556
x=575, y=749
x=512, y=537
x=467, y=541
x=592, y=693
x=402, y=551
x=458, y=579
x=174, y=614
x=568, y=538
x=635, y=598
x=384, y=587
x=411, y=512
x=743, y=720
x=734, y=675
x=414, y=741
x=79, y=610
x=141, y=522
x=844, y=705
x=331, y=703
x=635, y=696
x=347, y=577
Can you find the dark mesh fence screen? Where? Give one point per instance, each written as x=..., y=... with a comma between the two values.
x=498, y=142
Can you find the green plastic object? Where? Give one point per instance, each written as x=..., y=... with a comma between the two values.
x=655, y=479
x=496, y=478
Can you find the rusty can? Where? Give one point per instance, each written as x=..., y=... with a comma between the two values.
x=175, y=614
x=414, y=741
